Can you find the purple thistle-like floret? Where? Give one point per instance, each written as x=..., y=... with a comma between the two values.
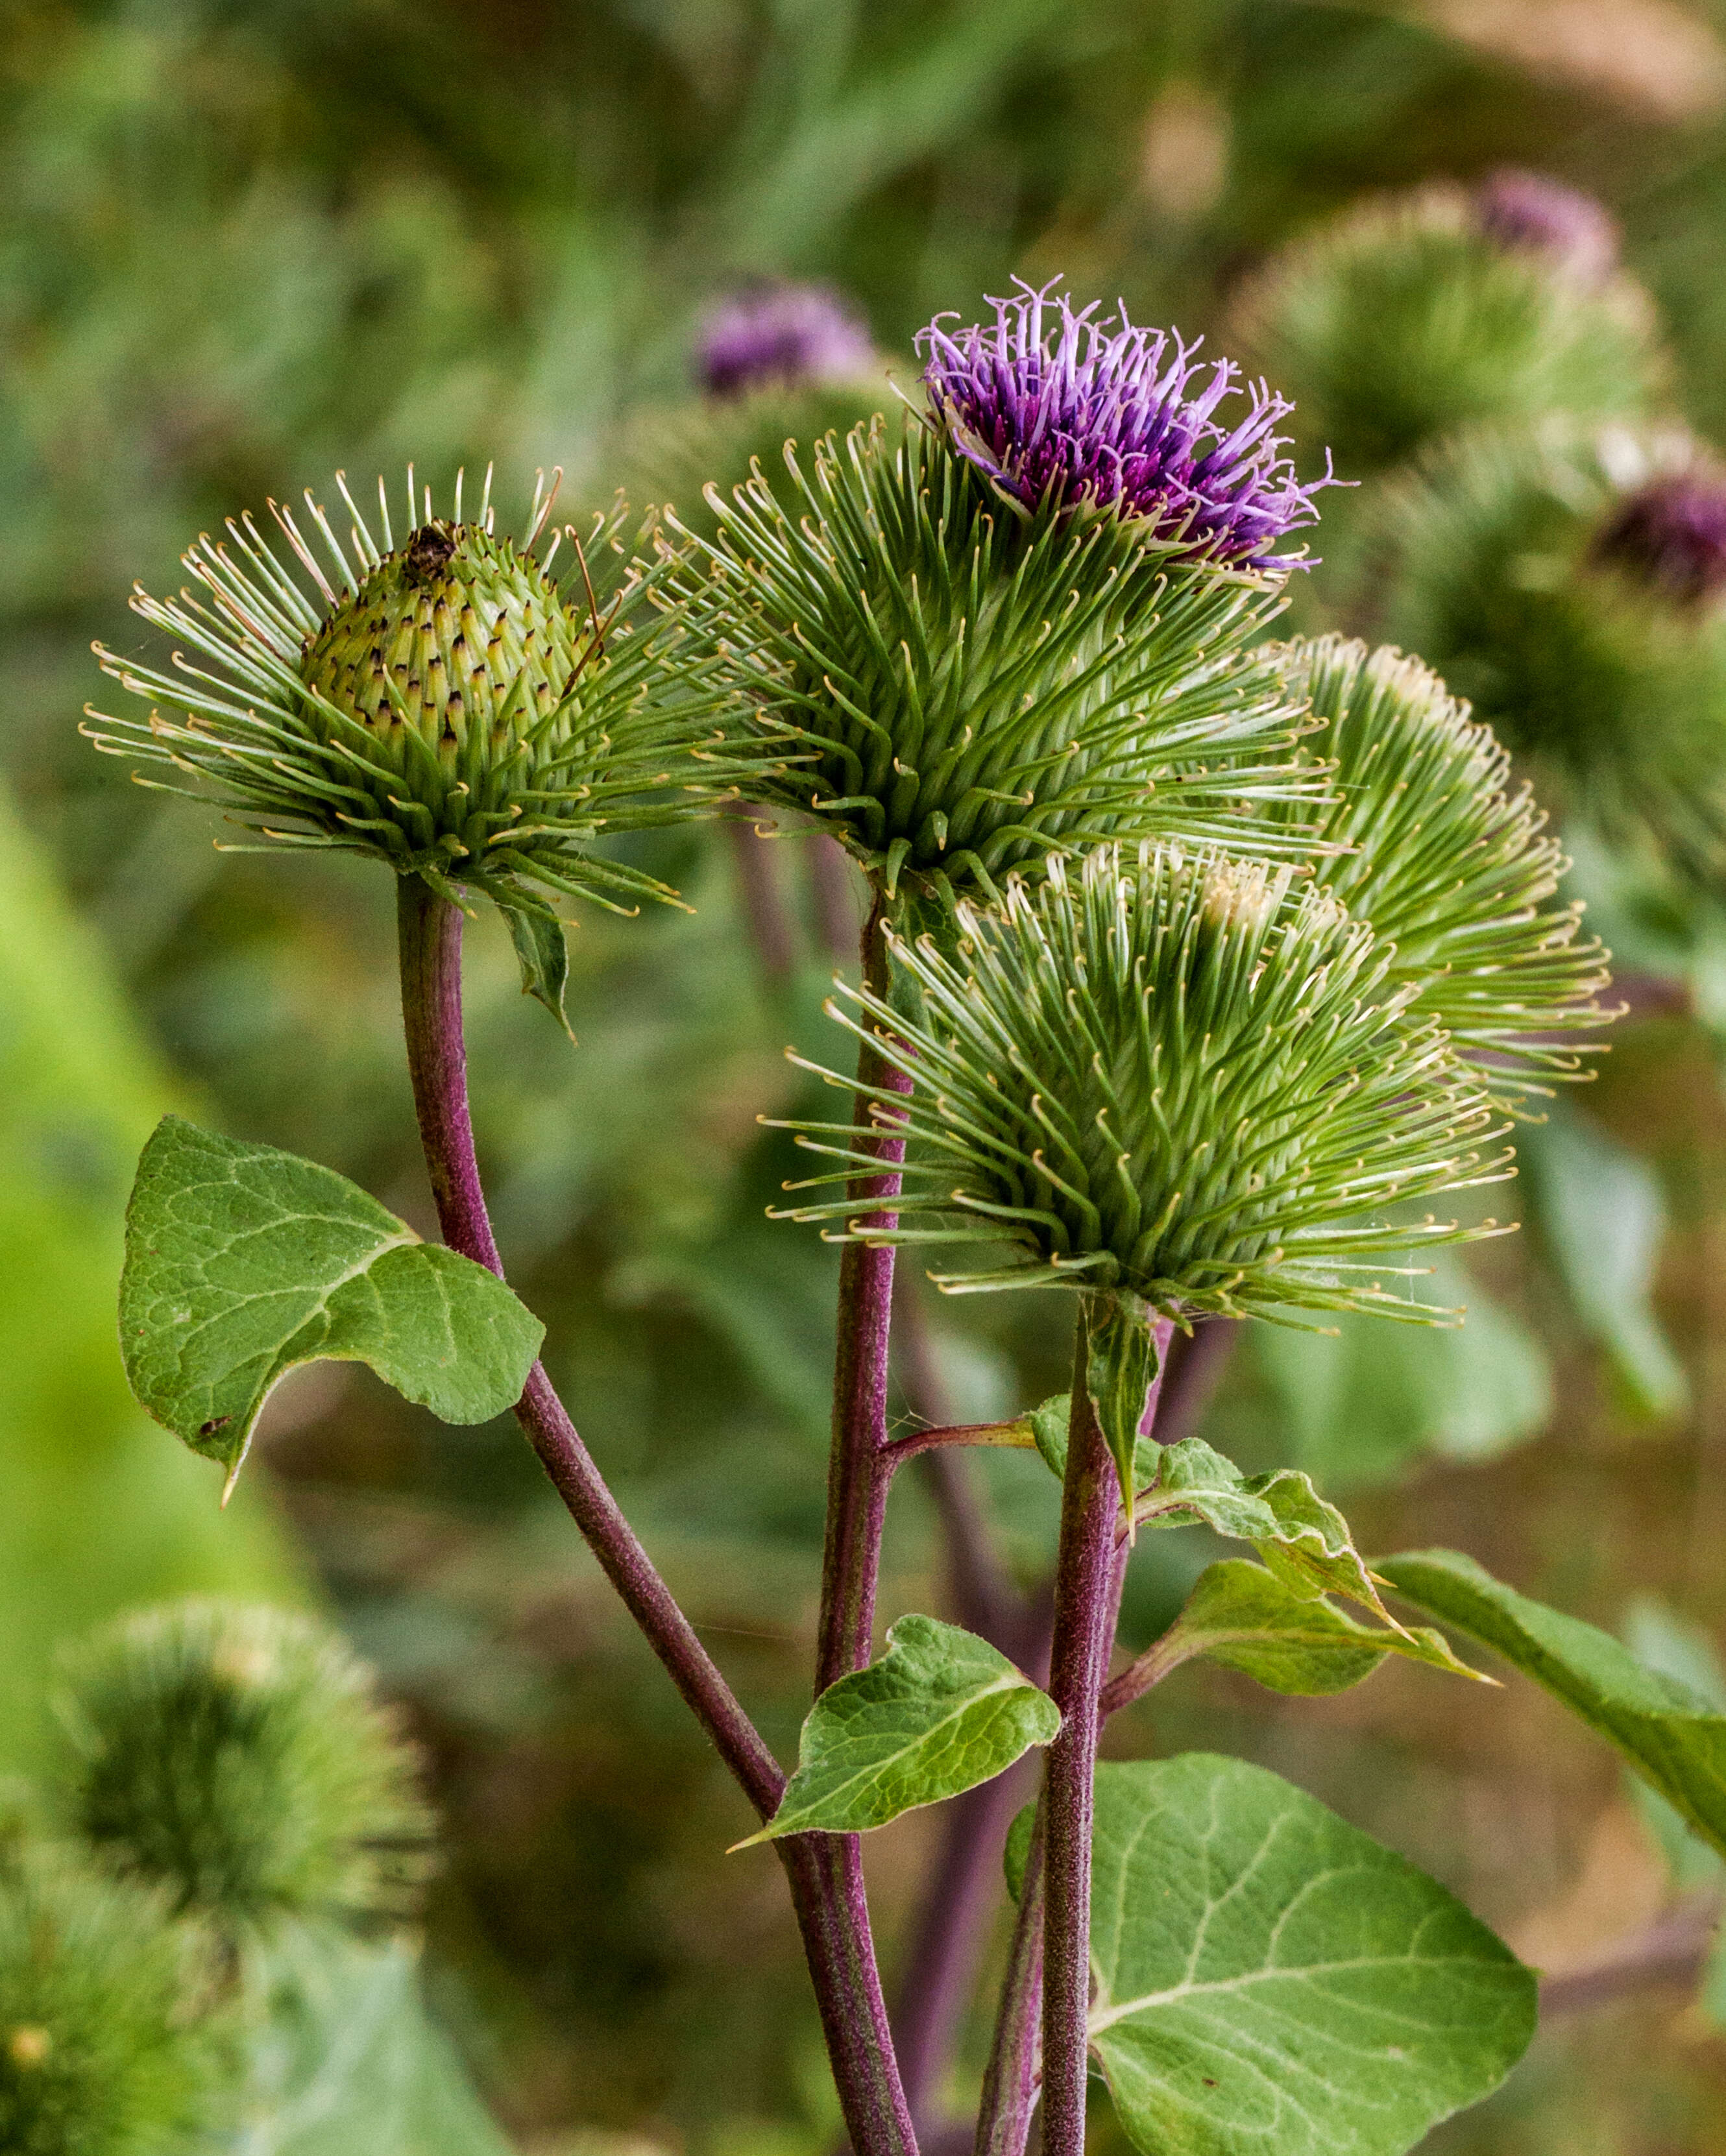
x=1671, y=533
x=783, y=333
x=1527, y=210
x=1099, y=411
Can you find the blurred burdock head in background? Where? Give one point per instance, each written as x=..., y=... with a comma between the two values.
x=106, y=2040
x=1430, y=845
x=1670, y=533
x=781, y=335
x=1520, y=209
x=237, y=1759
x=443, y=703
x=1404, y=320
x=1568, y=583
x=1058, y=407
x=1177, y=1076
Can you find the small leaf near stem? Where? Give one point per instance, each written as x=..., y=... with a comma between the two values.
x=939, y=1712
x=541, y=947
x=1122, y=1363
x=1288, y=1640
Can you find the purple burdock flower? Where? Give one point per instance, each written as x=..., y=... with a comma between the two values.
x=782, y=334
x=1541, y=216
x=1098, y=411
x=1671, y=533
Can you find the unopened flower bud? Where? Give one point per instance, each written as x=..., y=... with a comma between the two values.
x=238, y=1760
x=1190, y=1082
x=441, y=703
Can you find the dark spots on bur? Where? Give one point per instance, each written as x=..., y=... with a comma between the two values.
x=428, y=554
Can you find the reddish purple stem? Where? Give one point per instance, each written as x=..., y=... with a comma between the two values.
x=1010, y=2084
x=824, y=1871
x=959, y=1901
x=1084, y=1573
x=858, y=1476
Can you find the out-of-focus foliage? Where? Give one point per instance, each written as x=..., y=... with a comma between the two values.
x=95, y=1517
x=243, y=247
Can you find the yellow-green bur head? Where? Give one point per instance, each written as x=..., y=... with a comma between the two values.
x=436, y=704
x=455, y=635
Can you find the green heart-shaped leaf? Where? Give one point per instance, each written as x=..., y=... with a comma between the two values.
x=1282, y=1636
x=940, y=1711
x=1268, y=1978
x=242, y=1262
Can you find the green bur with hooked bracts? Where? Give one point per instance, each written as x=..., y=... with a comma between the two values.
x=959, y=689
x=1426, y=838
x=441, y=705
x=1175, y=1076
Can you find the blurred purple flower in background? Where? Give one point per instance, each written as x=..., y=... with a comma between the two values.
x=1527, y=210
x=1100, y=411
x=1671, y=533
x=782, y=334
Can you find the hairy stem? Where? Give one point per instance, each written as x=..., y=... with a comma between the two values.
x=958, y=1902
x=857, y=1475
x=1085, y=1568
x=825, y=1878
x=1009, y=2086
x=952, y=1928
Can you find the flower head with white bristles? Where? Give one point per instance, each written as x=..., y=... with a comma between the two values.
x=1185, y=1079
x=441, y=702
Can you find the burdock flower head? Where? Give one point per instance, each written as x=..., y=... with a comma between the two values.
x=1057, y=406
x=1023, y=626
x=441, y=703
x=781, y=335
x=237, y=1760
x=1426, y=839
x=1175, y=1078
x=110, y=2043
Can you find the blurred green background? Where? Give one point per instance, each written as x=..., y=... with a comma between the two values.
x=242, y=245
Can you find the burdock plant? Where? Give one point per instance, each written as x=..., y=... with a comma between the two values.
x=236, y=1761
x=1021, y=626
x=1197, y=971
x=101, y=2049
